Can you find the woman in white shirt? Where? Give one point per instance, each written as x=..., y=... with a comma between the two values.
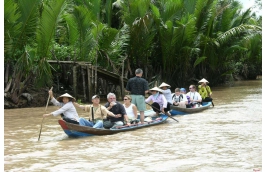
x=131, y=110
x=68, y=110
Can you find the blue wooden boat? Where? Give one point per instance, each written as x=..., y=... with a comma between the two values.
x=73, y=130
x=175, y=110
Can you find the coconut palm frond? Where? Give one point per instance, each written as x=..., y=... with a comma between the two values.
x=189, y=6
x=29, y=20
x=25, y=62
x=223, y=37
x=117, y=50
x=71, y=28
x=170, y=9
x=199, y=13
x=82, y=26
x=94, y=7
x=51, y=15
x=11, y=25
x=199, y=60
x=131, y=11
x=87, y=47
x=108, y=12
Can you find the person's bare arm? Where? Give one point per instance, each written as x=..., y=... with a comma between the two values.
x=135, y=111
x=127, y=119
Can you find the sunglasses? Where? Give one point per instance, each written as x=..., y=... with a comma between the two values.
x=125, y=99
x=190, y=88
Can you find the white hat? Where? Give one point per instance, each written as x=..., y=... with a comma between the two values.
x=95, y=96
x=60, y=98
x=203, y=80
x=156, y=89
x=164, y=85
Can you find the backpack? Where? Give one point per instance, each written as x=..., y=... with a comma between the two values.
x=180, y=96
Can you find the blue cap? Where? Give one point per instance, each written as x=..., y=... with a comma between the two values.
x=183, y=89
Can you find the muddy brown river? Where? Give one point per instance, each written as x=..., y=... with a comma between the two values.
x=225, y=138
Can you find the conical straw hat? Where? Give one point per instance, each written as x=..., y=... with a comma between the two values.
x=60, y=98
x=203, y=80
x=156, y=89
x=164, y=85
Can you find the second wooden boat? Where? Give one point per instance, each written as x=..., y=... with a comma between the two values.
x=175, y=110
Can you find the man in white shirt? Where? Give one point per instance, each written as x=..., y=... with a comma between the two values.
x=195, y=97
x=179, y=99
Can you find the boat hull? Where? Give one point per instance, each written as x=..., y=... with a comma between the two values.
x=73, y=130
x=175, y=110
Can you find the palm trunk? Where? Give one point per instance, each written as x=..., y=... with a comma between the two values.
x=84, y=82
x=18, y=87
x=7, y=67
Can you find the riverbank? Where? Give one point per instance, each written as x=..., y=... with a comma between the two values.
x=31, y=98
x=38, y=97
x=35, y=98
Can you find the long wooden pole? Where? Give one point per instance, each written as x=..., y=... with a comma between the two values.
x=161, y=111
x=45, y=112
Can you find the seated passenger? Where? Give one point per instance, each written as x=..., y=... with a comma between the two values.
x=96, y=113
x=179, y=99
x=160, y=103
x=118, y=109
x=195, y=97
x=131, y=110
x=183, y=92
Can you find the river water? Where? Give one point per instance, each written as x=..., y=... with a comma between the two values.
x=227, y=137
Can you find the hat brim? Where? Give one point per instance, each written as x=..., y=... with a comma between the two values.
x=168, y=86
x=71, y=98
x=156, y=89
x=95, y=96
x=60, y=99
x=164, y=85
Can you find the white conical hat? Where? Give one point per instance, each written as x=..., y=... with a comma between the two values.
x=164, y=85
x=156, y=89
x=60, y=98
x=203, y=80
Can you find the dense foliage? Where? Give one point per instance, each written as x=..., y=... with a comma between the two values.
x=174, y=41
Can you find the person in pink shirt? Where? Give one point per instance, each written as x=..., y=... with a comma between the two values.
x=160, y=103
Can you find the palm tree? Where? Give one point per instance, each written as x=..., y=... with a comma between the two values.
x=29, y=31
x=175, y=41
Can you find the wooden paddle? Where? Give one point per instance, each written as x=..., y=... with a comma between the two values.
x=162, y=112
x=45, y=112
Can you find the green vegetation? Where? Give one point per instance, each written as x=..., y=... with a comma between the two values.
x=175, y=41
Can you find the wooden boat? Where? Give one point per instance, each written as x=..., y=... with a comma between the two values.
x=175, y=110
x=73, y=130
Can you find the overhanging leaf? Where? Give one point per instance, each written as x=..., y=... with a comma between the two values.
x=199, y=60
